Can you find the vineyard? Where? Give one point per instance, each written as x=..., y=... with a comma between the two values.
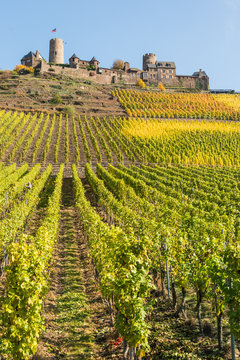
x=185, y=106
x=119, y=236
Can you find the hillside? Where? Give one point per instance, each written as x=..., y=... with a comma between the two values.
x=30, y=93
x=118, y=233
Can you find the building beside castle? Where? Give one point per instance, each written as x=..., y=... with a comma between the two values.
x=153, y=71
x=32, y=59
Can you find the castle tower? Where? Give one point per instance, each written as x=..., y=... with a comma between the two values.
x=148, y=59
x=56, y=51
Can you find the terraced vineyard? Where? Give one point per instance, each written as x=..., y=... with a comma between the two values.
x=119, y=237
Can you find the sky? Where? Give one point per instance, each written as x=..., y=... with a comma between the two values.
x=194, y=34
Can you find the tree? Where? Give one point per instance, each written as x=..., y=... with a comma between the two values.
x=118, y=64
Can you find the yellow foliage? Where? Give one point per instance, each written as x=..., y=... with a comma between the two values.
x=141, y=83
x=19, y=68
x=161, y=87
x=118, y=64
x=201, y=142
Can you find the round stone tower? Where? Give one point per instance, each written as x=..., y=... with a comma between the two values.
x=148, y=59
x=56, y=51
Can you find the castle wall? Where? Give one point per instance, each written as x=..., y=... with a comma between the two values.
x=192, y=81
x=108, y=76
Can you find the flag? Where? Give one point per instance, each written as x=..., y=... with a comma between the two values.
x=54, y=30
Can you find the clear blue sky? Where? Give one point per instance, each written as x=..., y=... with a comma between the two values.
x=195, y=34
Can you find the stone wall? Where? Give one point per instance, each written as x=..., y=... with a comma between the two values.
x=107, y=76
x=192, y=81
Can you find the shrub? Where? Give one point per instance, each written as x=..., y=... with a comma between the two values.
x=56, y=99
x=56, y=86
x=4, y=87
x=161, y=87
x=141, y=83
x=91, y=67
x=22, y=69
x=207, y=328
x=69, y=110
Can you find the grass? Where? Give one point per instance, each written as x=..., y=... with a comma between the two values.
x=72, y=307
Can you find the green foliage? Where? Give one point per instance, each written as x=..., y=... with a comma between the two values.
x=56, y=99
x=69, y=110
x=27, y=280
x=91, y=67
x=123, y=268
x=199, y=85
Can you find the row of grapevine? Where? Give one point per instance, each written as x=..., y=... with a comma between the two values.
x=195, y=247
x=76, y=146
x=18, y=187
x=27, y=279
x=40, y=138
x=57, y=145
x=49, y=139
x=170, y=106
x=20, y=131
x=123, y=268
x=15, y=220
x=93, y=140
x=84, y=140
x=101, y=140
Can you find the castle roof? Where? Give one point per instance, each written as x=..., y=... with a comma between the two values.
x=135, y=70
x=94, y=59
x=30, y=55
x=169, y=64
x=73, y=56
x=196, y=73
x=162, y=64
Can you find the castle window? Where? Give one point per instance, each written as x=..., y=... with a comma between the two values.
x=163, y=71
x=170, y=76
x=170, y=71
x=164, y=76
x=55, y=53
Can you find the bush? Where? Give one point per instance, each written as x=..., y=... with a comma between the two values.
x=4, y=87
x=207, y=328
x=22, y=69
x=161, y=87
x=91, y=67
x=141, y=83
x=56, y=99
x=59, y=87
x=69, y=110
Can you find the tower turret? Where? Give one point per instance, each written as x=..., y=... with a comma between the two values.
x=148, y=59
x=56, y=51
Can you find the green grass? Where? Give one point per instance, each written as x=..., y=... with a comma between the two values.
x=73, y=310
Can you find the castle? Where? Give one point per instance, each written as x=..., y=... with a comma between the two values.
x=153, y=71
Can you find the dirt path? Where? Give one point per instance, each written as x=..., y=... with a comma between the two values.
x=77, y=323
